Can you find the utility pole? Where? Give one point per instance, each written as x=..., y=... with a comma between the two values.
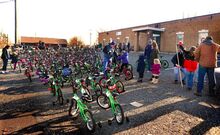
x=90, y=36
x=15, y=6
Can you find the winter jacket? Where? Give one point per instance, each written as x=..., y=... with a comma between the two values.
x=189, y=60
x=147, y=51
x=141, y=64
x=123, y=58
x=155, y=69
x=181, y=59
x=107, y=51
x=5, y=54
x=154, y=55
x=206, y=53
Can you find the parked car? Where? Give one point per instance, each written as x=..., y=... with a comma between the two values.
x=217, y=76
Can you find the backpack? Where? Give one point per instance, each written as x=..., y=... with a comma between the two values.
x=66, y=71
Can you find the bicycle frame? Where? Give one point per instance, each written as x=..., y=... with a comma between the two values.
x=112, y=100
x=82, y=107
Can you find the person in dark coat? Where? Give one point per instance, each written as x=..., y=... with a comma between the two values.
x=5, y=56
x=141, y=67
x=147, y=53
x=175, y=59
x=14, y=59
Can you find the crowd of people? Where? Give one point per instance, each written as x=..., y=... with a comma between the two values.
x=188, y=64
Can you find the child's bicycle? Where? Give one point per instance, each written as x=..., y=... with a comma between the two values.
x=93, y=85
x=118, y=85
x=78, y=107
x=107, y=100
x=127, y=71
x=55, y=87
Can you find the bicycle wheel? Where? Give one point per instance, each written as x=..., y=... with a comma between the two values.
x=119, y=86
x=119, y=114
x=130, y=67
x=60, y=96
x=102, y=81
x=128, y=74
x=103, y=101
x=73, y=109
x=87, y=95
x=165, y=64
x=90, y=123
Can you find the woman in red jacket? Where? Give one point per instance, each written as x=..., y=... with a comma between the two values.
x=189, y=64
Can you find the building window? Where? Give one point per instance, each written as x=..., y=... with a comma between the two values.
x=118, y=33
x=202, y=35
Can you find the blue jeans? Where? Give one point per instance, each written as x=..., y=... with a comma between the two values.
x=201, y=76
x=5, y=63
x=176, y=73
x=149, y=64
x=189, y=78
x=105, y=65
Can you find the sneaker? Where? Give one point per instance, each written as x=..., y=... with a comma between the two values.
x=198, y=94
x=189, y=88
x=176, y=81
x=155, y=81
x=3, y=72
x=139, y=81
x=183, y=82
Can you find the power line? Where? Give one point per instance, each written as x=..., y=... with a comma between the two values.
x=2, y=2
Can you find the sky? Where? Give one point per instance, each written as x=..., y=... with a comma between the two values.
x=82, y=18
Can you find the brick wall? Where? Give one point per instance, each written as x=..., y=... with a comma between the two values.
x=190, y=27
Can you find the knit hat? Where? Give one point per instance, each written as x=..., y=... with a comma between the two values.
x=180, y=43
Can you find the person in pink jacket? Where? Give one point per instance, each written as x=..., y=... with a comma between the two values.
x=155, y=70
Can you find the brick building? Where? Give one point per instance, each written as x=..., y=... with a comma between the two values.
x=165, y=33
x=49, y=42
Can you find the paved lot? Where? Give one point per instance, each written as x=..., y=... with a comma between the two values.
x=26, y=108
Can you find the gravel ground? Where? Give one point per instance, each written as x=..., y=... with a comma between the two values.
x=167, y=108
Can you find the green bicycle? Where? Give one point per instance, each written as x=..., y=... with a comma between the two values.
x=78, y=107
x=107, y=100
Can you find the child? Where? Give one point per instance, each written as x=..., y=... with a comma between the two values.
x=141, y=67
x=124, y=59
x=155, y=69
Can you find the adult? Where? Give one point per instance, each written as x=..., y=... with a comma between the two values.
x=178, y=63
x=129, y=47
x=107, y=53
x=5, y=56
x=154, y=54
x=206, y=55
x=147, y=53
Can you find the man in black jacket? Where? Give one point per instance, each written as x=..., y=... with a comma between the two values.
x=178, y=64
x=5, y=57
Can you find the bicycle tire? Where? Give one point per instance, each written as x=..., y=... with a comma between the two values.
x=128, y=74
x=165, y=64
x=103, y=101
x=119, y=86
x=89, y=98
x=73, y=109
x=119, y=119
x=60, y=96
x=90, y=124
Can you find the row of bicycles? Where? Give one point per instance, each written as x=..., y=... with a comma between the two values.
x=80, y=69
